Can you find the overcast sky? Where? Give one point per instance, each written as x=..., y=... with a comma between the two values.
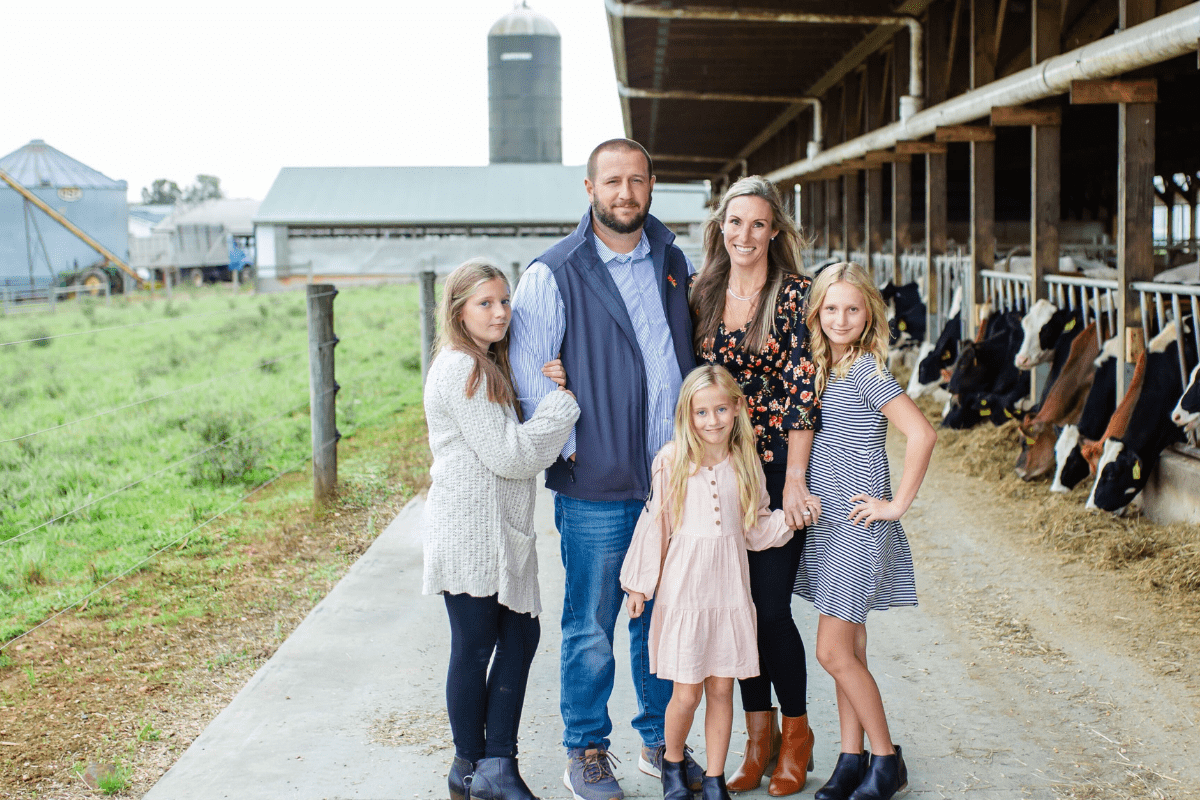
x=173, y=88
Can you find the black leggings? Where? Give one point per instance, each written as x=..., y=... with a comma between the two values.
x=485, y=706
x=781, y=660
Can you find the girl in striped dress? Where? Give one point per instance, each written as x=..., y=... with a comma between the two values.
x=856, y=557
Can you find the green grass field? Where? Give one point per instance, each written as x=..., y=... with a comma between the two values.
x=82, y=503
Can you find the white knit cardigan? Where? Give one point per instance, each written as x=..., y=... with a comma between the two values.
x=478, y=526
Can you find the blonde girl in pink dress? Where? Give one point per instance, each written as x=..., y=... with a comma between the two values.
x=708, y=505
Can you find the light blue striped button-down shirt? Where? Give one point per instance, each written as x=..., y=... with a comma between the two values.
x=539, y=325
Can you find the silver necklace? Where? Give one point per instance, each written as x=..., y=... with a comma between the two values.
x=737, y=296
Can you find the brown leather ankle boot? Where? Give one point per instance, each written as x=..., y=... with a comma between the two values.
x=795, y=757
x=762, y=745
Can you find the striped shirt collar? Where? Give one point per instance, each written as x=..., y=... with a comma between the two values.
x=608, y=255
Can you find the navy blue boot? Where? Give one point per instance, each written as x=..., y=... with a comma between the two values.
x=498, y=779
x=459, y=778
x=849, y=772
x=885, y=776
x=674, y=780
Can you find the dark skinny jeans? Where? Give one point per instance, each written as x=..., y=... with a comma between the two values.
x=485, y=706
x=781, y=660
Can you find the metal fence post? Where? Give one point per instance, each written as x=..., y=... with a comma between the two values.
x=52, y=294
x=322, y=390
x=167, y=281
x=107, y=294
x=6, y=299
x=428, y=316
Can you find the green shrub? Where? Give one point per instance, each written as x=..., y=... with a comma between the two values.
x=234, y=456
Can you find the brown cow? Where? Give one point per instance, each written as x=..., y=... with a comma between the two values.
x=1063, y=405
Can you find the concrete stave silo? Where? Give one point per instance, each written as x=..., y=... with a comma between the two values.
x=524, y=89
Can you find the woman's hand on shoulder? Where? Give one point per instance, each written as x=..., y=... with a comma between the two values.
x=870, y=509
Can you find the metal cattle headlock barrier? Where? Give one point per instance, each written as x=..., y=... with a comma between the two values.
x=1169, y=295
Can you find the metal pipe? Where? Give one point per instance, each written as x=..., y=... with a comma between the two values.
x=910, y=103
x=1157, y=40
x=736, y=97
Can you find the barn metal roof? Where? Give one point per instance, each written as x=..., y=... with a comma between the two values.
x=39, y=164
x=748, y=56
x=493, y=194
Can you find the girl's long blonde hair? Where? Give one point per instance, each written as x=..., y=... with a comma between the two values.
x=783, y=261
x=689, y=448
x=874, y=339
x=491, y=365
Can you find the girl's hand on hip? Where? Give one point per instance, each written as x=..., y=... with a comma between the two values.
x=554, y=371
x=636, y=604
x=872, y=509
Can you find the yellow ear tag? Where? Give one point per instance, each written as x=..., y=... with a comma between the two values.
x=902, y=325
x=985, y=412
x=1137, y=470
x=1070, y=326
x=1029, y=440
x=1008, y=414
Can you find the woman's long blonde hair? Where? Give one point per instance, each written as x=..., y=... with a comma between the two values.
x=874, y=339
x=783, y=260
x=491, y=366
x=689, y=448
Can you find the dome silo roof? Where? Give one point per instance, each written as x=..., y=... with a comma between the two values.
x=521, y=21
x=39, y=164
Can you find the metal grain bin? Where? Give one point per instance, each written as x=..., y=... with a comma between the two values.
x=524, y=89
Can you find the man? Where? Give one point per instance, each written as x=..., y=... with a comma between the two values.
x=610, y=299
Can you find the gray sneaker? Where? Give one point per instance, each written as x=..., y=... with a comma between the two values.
x=651, y=760
x=589, y=774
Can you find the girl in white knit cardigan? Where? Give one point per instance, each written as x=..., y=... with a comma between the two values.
x=479, y=537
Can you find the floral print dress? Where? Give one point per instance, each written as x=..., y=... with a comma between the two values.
x=778, y=382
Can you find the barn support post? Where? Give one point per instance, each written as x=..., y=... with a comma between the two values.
x=819, y=233
x=936, y=39
x=322, y=390
x=427, y=279
x=876, y=93
x=1135, y=209
x=833, y=214
x=901, y=169
x=983, y=168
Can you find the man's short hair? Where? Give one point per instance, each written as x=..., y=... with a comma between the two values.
x=617, y=144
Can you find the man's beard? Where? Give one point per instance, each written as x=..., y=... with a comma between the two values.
x=612, y=223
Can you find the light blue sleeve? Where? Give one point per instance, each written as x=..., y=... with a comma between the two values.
x=535, y=337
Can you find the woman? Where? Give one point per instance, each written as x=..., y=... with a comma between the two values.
x=748, y=311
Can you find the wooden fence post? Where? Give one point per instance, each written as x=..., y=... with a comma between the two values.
x=322, y=390
x=428, y=323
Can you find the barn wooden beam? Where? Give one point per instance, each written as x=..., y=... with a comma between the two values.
x=964, y=133
x=1099, y=92
x=982, y=235
x=882, y=157
x=1045, y=156
x=901, y=170
x=1135, y=206
x=920, y=148
x=935, y=166
x=1024, y=116
x=856, y=93
x=873, y=180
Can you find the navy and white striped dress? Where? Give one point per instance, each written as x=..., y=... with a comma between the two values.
x=848, y=570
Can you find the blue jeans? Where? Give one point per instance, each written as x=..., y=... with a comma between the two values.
x=595, y=536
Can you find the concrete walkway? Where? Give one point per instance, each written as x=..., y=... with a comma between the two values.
x=352, y=705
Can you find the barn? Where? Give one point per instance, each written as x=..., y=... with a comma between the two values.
x=375, y=221
x=32, y=245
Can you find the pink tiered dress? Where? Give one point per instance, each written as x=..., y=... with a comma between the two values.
x=703, y=623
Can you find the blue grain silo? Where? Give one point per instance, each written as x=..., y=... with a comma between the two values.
x=524, y=89
x=91, y=200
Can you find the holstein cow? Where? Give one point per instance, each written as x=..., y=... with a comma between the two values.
x=906, y=313
x=1186, y=413
x=1128, y=460
x=985, y=371
x=1062, y=403
x=934, y=360
x=1042, y=327
x=1119, y=422
x=1071, y=466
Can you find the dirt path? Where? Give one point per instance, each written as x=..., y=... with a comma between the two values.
x=1101, y=673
